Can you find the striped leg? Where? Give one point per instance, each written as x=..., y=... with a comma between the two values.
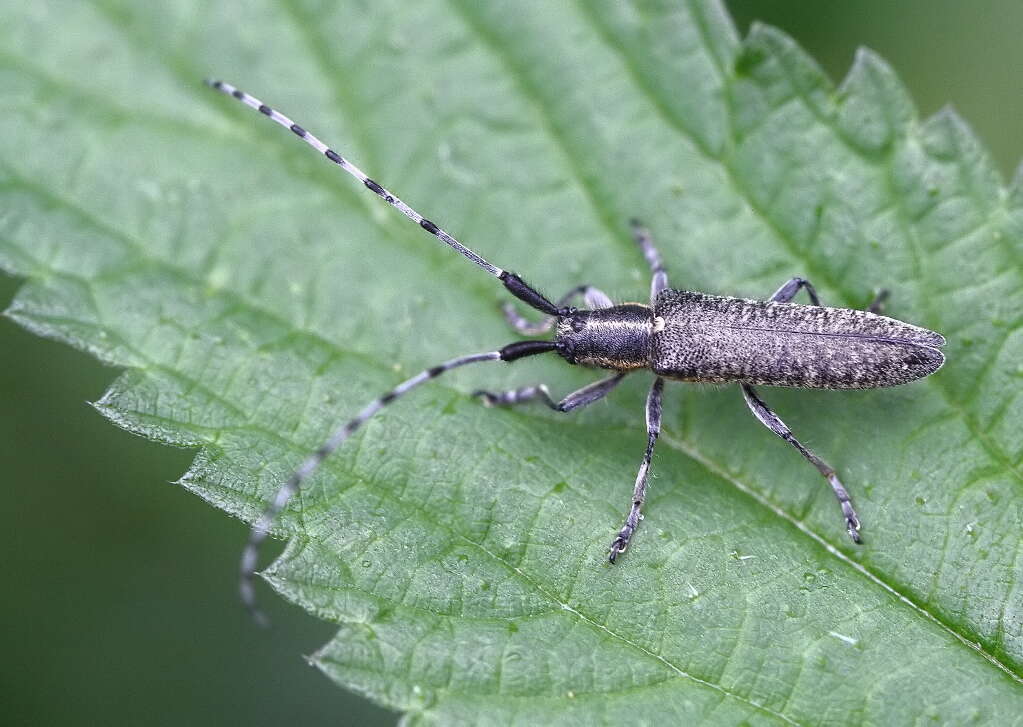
x=515, y=285
x=592, y=298
x=261, y=528
x=576, y=400
x=653, y=258
x=772, y=421
x=653, y=429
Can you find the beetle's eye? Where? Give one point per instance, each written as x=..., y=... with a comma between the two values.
x=578, y=324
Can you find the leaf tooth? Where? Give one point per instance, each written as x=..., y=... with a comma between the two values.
x=1016, y=188
x=875, y=108
x=780, y=60
x=770, y=71
x=948, y=136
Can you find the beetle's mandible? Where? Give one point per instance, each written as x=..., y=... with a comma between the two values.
x=680, y=335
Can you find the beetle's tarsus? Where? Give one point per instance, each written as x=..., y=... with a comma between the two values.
x=852, y=520
x=852, y=527
x=619, y=545
x=485, y=397
x=260, y=618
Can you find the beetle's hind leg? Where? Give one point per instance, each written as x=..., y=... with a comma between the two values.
x=593, y=299
x=877, y=305
x=653, y=429
x=576, y=400
x=773, y=422
x=788, y=291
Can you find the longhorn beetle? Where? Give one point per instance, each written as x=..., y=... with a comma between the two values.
x=680, y=335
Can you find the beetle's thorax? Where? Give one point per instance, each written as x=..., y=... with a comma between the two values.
x=616, y=338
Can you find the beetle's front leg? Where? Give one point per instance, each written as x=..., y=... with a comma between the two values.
x=593, y=298
x=773, y=422
x=653, y=429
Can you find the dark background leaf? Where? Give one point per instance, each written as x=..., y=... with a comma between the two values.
x=919, y=508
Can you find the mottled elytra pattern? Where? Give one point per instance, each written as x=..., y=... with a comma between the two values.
x=715, y=339
x=680, y=335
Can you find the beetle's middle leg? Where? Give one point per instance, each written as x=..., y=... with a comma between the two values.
x=773, y=422
x=576, y=400
x=593, y=298
x=653, y=429
x=653, y=258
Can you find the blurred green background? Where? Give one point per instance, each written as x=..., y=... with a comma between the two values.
x=119, y=602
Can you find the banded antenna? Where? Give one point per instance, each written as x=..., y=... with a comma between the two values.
x=516, y=285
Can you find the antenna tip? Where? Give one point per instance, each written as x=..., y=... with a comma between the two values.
x=260, y=618
x=248, y=596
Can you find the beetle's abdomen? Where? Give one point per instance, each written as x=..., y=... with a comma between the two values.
x=717, y=340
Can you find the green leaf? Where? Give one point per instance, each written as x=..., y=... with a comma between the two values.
x=256, y=297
